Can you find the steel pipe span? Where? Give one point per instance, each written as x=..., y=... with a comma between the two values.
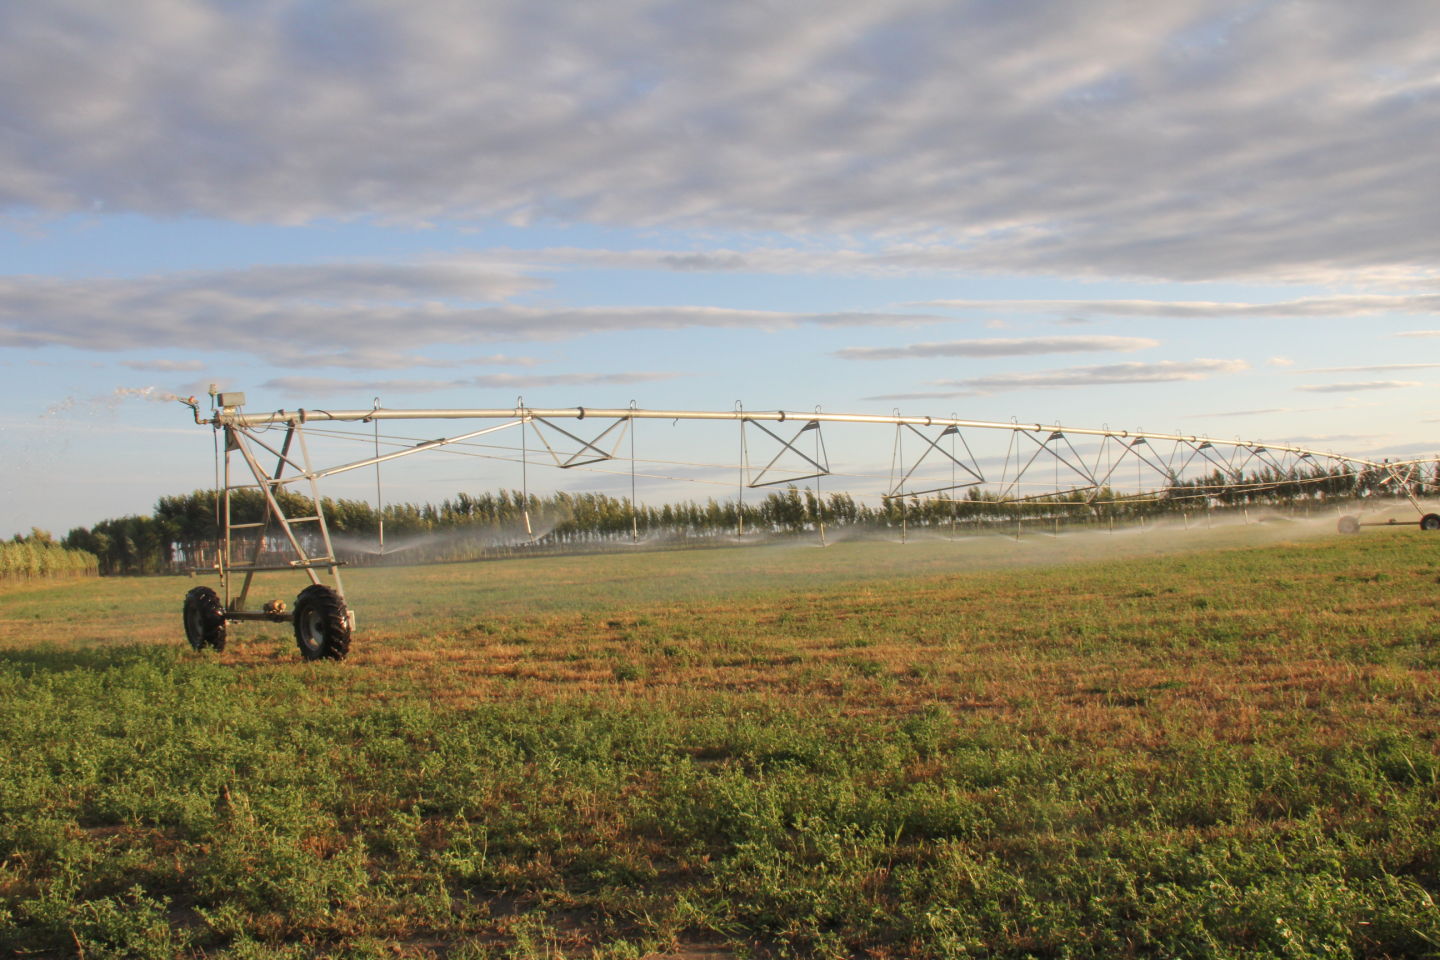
x=234, y=418
x=1167, y=467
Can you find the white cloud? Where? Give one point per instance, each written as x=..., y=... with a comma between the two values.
x=1033, y=346
x=1376, y=368
x=1198, y=140
x=1358, y=386
x=307, y=386
x=1422, y=450
x=1333, y=306
x=1237, y=413
x=891, y=257
x=1262, y=411
x=1330, y=440
x=462, y=278
x=280, y=315
x=499, y=360
x=1164, y=371
x=166, y=366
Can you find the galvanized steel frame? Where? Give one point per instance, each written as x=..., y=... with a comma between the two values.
x=1090, y=482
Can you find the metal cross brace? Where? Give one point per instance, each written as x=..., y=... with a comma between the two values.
x=574, y=459
x=932, y=445
x=820, y=463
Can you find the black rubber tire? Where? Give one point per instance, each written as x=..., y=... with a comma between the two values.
x=1349, y=525
x=322, y=624
x=1431, y=521
x=204, y=617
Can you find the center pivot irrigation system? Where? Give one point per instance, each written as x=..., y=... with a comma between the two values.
x=1043, y=466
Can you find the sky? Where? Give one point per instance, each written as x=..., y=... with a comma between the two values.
x=1203, y=216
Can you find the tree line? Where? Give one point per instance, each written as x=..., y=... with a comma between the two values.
x=183, y=531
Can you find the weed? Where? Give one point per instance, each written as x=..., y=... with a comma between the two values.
x=628, y=671
x=1223, y=754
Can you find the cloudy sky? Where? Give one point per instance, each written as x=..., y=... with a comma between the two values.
x=1219, y=217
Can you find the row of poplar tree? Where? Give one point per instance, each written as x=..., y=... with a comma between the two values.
x=183, y=530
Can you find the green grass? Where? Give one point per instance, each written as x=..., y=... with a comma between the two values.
x=920, y=750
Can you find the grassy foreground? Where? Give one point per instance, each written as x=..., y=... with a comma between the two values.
x=924, y=750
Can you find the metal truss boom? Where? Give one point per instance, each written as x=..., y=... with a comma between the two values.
x=1047, y=469
x=1253, y=448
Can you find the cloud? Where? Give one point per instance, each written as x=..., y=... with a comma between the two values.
x=1163, y=371
x=282, y=317
x=1377, y=368
x=1237, y=413
x=500, y=360
x=1194, y=143
x=376, y=357
x=1034, y=346
x=1263, y=411
x=1419, y=333
x=166, y=366
x=1358, y=305
x=307, y=386
x=1358, y=386
x=1329, y=440
x=887, y=256
x=1388, y=447
x=722, y=261
x=464, y=278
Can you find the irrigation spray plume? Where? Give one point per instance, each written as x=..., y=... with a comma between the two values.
x=112, y=400
x=513, y=535
x=1048, y=473
x=152, y=394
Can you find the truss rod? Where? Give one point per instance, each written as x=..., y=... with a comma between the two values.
x=417, y=448
x=231, y=417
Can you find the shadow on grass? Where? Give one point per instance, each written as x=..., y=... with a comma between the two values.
x=49, y=658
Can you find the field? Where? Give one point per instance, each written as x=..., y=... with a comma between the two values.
x=1204, y=743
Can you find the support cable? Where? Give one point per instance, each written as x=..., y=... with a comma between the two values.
x=954, y=505
x=379, y=501
x=634, y=518
x=524, y=467
x=819, y=503
x=744, y=468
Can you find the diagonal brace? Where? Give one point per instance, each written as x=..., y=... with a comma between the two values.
x=821, y=465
